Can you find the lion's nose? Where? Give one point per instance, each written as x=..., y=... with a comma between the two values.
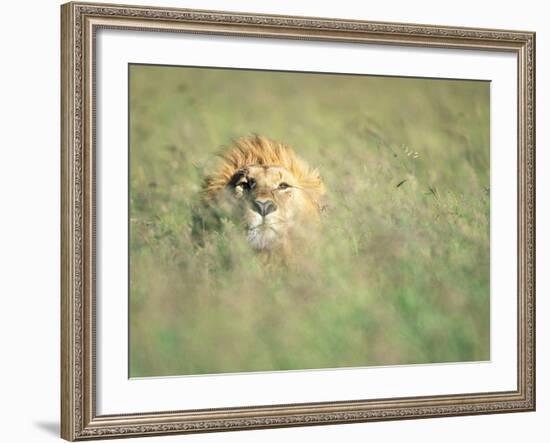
x=264, y=207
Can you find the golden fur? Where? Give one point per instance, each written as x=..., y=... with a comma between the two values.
x=257, y=169
x=259, y=150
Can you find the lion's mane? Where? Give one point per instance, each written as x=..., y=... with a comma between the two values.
x=259, y=150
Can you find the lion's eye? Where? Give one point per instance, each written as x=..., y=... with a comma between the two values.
x=248, y=185
x=283, y=185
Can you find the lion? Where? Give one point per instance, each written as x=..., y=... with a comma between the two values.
x=276, y=195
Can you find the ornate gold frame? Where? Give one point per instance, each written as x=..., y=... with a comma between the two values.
x=79, y=22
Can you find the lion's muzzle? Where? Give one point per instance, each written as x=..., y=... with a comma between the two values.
x=263, y=207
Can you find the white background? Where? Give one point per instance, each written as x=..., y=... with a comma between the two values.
x=29, y=220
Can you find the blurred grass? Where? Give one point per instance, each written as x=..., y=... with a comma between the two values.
x=401, y=275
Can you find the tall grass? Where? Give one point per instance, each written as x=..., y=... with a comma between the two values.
x=401, y=273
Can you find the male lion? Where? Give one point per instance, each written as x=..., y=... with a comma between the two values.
x=275, y=194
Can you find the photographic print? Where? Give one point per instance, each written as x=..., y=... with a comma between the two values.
x=295, y=220
x=273, y=221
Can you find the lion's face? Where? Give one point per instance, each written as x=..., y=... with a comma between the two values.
x=273, y=207
x=274, y=194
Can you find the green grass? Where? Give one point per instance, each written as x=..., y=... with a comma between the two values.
x=401, y=275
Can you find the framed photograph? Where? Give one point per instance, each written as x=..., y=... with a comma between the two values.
x=284, y=221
